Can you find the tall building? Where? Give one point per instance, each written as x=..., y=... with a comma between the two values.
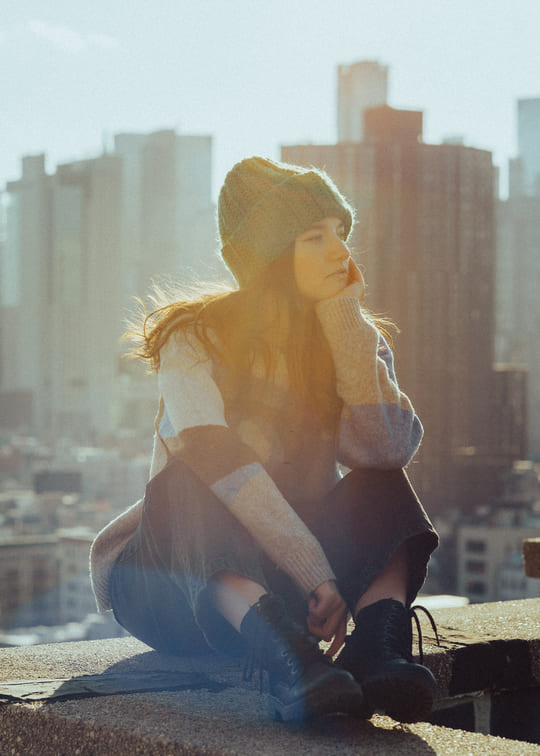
x=426, y=239
x=518, y=305
x=529, y=144
x=87, y=308
x=79, y=244
x=518, y=265
x=63, y=233
x=361, y=85
x=27, y=291
x=167, y=211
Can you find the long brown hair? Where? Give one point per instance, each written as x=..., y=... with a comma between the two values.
x=239, y=326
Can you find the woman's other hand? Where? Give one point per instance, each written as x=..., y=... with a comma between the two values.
x=327, y=615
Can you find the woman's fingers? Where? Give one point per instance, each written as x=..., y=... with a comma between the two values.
x=324, y=630
x=327, y=613
x=327, y=627
x=355, y=274
x=357, y=280
x=325, y=610
x=356, y=286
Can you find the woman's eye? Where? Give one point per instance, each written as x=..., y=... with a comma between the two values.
x=316, y=237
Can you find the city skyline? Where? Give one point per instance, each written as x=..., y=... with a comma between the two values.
x=255, y=75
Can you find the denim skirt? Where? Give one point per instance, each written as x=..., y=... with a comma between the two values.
x=186, y=536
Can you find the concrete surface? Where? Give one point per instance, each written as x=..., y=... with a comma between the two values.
x=210, y=713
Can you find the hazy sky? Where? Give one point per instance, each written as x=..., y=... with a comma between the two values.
x=254, y=73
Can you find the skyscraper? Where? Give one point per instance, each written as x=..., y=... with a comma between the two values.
x=79, y=244
x=426, y=238
x=26, y=301
x=361, y=85
x=529, y=144
x=86, y=311
x=518, y=265
x=167, y=211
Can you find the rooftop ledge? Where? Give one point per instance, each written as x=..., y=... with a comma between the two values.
x=118, y=696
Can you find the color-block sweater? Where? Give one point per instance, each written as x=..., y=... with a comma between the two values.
x=264, y=459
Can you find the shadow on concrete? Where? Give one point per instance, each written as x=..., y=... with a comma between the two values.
x=145, y=672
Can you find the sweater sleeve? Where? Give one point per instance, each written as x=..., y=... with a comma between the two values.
x=379, y=427
x=194, y=428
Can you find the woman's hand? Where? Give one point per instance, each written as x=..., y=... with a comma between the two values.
x=327, y=618
x=356, y=286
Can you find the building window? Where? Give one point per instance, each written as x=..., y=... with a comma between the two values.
x=475, y=567
x=475, y=546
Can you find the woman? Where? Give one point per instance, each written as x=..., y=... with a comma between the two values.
x=248, y=540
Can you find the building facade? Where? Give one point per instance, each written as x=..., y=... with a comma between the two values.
x=29, y=575
x=518, y=266
x=529, y=145
x=167, y=213
x=25, y=360
x=426, y=238
x=78, y=246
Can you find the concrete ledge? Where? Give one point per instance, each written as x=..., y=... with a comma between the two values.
x=66, y=704
x=488, y=667
x=493, y=647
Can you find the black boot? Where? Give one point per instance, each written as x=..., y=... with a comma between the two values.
x=379, y=655
x=303, y=682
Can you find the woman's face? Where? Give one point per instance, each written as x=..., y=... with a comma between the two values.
x=321, y=260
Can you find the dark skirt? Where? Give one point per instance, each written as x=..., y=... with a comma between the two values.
x=186, y=535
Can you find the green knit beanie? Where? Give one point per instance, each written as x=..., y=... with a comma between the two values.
x=264, y=205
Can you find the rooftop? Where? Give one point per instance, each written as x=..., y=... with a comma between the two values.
x=118, y=696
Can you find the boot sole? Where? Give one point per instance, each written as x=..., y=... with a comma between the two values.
x=406, y=696
x=321, y=701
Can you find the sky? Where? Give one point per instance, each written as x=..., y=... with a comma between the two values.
x=255, y=74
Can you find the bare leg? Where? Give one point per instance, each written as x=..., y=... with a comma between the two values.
x=390, y=583
x=234, y=594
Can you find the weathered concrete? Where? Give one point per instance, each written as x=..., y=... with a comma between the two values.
x=210, y=713
x=493, y=646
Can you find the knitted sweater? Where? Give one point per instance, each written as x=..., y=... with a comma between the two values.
x=260, y=459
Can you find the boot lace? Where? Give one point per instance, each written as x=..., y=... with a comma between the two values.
x=413, y=613
x=280, y=643
x=397, y=635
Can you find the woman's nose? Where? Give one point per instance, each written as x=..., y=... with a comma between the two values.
x=339, y=250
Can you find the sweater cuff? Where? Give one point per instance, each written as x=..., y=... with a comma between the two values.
x=341, y=313
x=345, y=327
x=309, y=570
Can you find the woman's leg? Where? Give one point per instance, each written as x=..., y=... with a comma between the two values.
x=233, y=595
x=391, y=583
x=160, y=584
x=386, y=539
x=373, y=528
x=193, y=576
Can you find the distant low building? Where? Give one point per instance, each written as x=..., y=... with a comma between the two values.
x=489, y=546
x=511, y=581
x=44, y=579
x=29, y=576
